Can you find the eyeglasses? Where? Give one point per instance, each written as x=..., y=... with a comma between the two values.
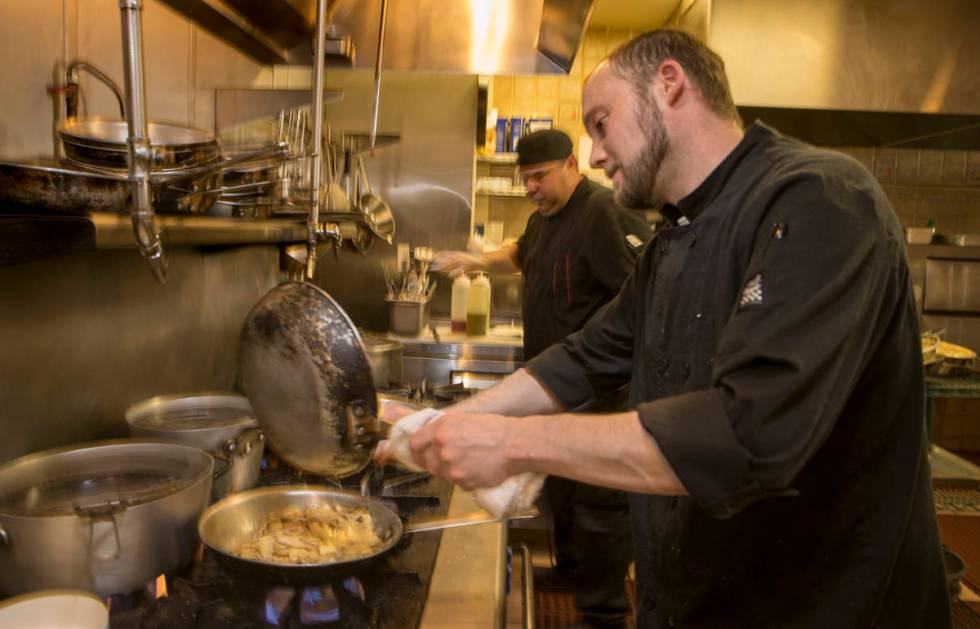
x=537, y=176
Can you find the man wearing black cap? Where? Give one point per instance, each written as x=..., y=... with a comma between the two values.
x=576, y=252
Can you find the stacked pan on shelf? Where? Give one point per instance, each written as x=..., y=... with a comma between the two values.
x=186, y=176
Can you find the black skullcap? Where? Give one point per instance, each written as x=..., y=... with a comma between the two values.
x=546, y=145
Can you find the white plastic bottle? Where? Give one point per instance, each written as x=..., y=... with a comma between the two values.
x=461, y=289
x=478, y=306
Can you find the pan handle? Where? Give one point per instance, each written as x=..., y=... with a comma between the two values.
x=476, y=517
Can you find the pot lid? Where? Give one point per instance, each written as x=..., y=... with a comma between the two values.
x=115, y=133
x=196, y=411
x=307, y=375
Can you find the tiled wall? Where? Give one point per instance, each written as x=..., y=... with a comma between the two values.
x=928, y=184
x=556, y=97
x=942, y=186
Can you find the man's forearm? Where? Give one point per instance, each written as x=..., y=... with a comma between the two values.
x=503, y=260
x=611, y=450
x=517, y=395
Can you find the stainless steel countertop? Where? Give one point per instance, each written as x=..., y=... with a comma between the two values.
x=467, y=587
x=459, y=345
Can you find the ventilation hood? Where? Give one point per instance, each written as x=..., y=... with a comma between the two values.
x=459, y=36
x=850, y=72
x=872, y=55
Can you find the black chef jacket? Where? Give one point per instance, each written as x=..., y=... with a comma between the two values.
x=772, y=349
x=574, y=261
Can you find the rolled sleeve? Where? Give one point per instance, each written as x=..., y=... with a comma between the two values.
x=727, y=485
x=563, y=378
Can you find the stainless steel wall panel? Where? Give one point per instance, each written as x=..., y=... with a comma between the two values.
x=426, y=177
x=881, y=55
x=86, y=335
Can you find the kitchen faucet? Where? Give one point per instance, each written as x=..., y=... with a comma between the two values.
x=71, y=87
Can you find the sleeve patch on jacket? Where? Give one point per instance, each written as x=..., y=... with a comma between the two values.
x=752, y=293
x=634, y=240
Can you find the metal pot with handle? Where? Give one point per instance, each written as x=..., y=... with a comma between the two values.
x=105, y=517
x=219, y=422
x=385, y=356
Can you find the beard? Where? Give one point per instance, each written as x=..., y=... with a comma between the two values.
x=640, y=174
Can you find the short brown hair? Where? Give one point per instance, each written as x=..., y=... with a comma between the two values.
x=638, y=59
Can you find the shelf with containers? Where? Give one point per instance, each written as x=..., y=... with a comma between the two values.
x=500, y=204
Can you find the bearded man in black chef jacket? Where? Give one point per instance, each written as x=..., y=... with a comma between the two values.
x=576, y=251
x=774, y=449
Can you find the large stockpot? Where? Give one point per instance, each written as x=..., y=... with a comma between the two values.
x=219, y=422
x=106, y=517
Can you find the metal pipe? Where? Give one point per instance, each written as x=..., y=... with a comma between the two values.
x=138, y=143
x=377, y=72
x=313, y=222
x=71, y=87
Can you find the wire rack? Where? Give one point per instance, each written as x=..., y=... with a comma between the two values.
x=956, y=495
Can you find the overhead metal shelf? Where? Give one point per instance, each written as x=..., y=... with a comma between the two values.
x=26, y=237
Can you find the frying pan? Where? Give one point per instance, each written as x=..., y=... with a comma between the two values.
x=229, y=523
x=308, y=377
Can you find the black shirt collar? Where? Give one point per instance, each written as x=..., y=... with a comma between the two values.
x=690, y=206
x=580, y=191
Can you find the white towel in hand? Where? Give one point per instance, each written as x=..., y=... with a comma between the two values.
x=514, y=495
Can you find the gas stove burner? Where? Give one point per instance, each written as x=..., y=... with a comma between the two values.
x=208, y=596
x=312, y=606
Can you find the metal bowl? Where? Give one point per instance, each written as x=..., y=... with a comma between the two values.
x=378, y=216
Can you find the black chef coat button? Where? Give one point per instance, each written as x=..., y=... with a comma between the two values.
x=664, y=245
